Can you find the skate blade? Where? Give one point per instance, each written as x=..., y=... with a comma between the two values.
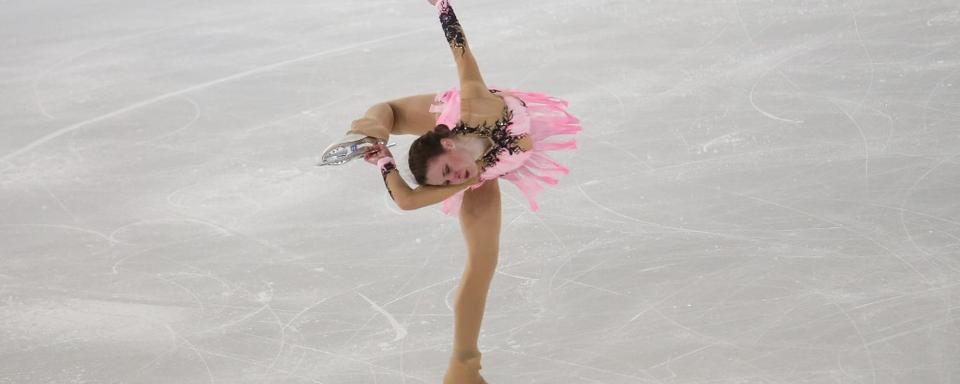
x=348, y=151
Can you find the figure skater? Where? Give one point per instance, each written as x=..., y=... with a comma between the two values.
x=478, y=136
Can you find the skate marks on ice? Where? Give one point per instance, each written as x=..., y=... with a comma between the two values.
x=763, y=192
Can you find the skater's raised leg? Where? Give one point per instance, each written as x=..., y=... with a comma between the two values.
x=407, y=115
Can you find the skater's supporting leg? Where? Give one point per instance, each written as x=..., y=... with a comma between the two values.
x=480, y=224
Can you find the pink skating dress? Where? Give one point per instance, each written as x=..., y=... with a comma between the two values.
x=526, y=114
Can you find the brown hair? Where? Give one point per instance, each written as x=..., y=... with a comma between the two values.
x=425, y=148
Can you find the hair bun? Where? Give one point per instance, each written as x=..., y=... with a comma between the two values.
x=442, y=130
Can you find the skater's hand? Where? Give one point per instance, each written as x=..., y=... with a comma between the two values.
x=378, y=152
x=432, y=2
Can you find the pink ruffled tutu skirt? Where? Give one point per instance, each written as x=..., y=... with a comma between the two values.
x=542, y=117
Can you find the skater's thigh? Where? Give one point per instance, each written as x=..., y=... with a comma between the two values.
x=480, y=224
x=412, y=116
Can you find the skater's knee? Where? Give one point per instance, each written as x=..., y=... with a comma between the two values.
x=368, y=126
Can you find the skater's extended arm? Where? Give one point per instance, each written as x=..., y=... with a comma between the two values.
x=471, y=82
x=411, y=198
x=414, y=198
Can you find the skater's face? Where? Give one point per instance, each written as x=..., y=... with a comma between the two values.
x=452, y=167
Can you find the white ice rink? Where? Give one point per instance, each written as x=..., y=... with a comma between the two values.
x=765, y=192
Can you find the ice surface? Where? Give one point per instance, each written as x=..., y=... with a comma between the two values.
x=765, y=192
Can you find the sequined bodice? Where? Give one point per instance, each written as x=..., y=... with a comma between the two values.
x=504, y=143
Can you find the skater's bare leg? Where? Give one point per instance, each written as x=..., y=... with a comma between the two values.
x=404, y=116
x=464, y=365
x=480, y=224
x=376, y=122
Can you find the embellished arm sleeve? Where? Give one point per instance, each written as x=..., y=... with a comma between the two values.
x=451, y=27
x=470, y=79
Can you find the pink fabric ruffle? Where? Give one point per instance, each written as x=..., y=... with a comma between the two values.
x=542, y=118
